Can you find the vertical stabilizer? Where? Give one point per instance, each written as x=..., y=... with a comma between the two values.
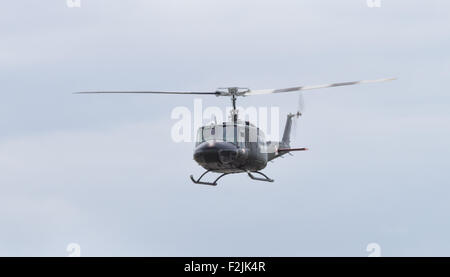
x=286, y=140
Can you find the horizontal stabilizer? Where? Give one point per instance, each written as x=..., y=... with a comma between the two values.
x=292, y=149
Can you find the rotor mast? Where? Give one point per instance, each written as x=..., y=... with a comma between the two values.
x=234, y=92
x=234, y=112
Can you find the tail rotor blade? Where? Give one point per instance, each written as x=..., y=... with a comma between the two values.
x=301, y=103
x=299, y=112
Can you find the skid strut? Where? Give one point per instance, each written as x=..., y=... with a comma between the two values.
x=198, y=181
x=265, y=179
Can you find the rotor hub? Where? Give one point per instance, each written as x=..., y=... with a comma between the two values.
x=230, y=91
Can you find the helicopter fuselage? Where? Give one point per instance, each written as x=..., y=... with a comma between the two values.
x=232, y=147
x=227, y=157
x=236, y=147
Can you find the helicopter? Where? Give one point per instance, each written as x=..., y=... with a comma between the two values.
x=238, y=146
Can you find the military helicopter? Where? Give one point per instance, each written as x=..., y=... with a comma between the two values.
x=238, y=146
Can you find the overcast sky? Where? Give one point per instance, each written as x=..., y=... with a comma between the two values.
x=102, y=171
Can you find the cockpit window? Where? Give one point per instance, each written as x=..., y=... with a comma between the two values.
x=230, y=133
x=214, y=132
x=220, y=132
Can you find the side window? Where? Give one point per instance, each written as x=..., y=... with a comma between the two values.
x=261, y=138
x=252, y=134
x=241, y=136
x=262, y=142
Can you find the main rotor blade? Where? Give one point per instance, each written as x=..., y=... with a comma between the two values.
x=154, y=92
x=269, y=91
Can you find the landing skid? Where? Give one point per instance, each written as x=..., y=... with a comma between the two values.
x=199, y=180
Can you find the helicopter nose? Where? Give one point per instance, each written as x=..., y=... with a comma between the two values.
x=214, y=152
